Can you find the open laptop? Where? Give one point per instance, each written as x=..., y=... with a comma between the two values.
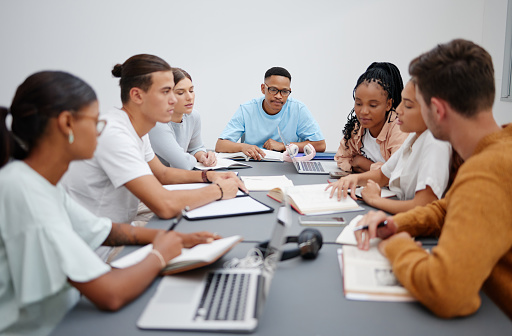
x=310, y=167
x=221, y=300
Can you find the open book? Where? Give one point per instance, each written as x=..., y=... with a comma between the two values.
x=270, y=155
x=197, y=256
x=368, y=276
x=314, y=199
x=223, y=164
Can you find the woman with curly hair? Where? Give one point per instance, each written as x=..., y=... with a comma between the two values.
x=371, y=134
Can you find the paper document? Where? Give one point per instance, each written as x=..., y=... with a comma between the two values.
x=192, y=186
x=265, y=183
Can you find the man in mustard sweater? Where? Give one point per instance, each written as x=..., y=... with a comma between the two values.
x=455, y=88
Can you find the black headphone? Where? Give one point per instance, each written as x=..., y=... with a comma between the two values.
x=310, y=242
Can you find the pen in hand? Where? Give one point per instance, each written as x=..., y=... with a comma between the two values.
x=365, y=227
x=178, y=218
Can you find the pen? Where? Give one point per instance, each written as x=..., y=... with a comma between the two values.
x=178, y=218
x=365, y=227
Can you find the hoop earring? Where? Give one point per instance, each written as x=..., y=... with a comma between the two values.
x=71, y=137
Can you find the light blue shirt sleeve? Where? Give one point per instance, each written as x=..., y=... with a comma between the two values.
x=307, y=127
x=235, y=127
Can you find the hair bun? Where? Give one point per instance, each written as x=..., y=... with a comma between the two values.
x=117, y=70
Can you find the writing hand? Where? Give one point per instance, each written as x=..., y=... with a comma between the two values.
x=372, y=219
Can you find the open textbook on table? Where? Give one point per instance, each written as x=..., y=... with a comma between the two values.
x=367, y=275
x=314, y=199
x=197, y=256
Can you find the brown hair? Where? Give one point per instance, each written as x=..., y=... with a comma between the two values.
x=180, y=74
x=459, y=72
x=136, y=72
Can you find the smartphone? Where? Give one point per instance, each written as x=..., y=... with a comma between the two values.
x=323, y=220
x=338, y=173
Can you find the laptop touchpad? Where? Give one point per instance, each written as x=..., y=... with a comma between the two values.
x=176, y=294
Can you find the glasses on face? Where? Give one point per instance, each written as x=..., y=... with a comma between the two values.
x=100, y=123
x=273, y=90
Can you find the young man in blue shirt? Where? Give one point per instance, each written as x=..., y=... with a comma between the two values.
x=259, y=119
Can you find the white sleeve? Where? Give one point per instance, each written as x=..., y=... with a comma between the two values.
x=434, y=168
x=123, y=157
x=389, y=166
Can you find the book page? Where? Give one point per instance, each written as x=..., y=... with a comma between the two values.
x=264, y=183
x=369, y=274
x=313, y=198
x=201, y=252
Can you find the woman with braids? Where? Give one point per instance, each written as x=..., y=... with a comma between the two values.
x=419, y=172
x=178, y=143
x=47, y=240
x=371, y=134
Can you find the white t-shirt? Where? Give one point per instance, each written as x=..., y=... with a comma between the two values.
x=420, y=162
x=121, y=156
x=371, y=148
x=45, y=238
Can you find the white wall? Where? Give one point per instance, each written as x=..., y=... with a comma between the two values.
x=227, y=45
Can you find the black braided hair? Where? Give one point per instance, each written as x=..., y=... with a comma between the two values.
x=388, y=77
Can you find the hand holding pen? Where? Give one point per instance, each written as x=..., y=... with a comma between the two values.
x=373, y=225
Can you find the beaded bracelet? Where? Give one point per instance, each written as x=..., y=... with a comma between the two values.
x=221, y=191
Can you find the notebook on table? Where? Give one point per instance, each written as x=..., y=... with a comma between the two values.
x=228, y=300
x=313, y=166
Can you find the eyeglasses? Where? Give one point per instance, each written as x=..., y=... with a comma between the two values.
x=100, y=123
x=274, y=91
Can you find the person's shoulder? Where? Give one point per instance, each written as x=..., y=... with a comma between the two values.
x=429, y=140
x=292, y=102
x=253, y=102
x=17, y=178
x=193, y=116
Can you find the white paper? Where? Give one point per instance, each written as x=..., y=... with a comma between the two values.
x=265, y=183
x=192, y=186
x=201, y=252
x=237, y=205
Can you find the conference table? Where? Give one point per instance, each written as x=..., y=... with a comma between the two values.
x=306, y=296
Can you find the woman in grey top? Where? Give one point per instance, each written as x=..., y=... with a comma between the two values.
x=178, y=143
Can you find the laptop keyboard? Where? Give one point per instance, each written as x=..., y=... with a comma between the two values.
x=312, y=166
x=224, y=297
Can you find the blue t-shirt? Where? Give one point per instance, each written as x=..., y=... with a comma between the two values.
x=295, y=121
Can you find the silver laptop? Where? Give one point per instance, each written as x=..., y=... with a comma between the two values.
x=310, y=167
x=229, y=300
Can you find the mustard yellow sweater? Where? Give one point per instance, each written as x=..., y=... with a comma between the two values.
x=474, y=226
